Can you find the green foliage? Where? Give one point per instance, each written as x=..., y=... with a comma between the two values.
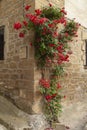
x=58, y=71
x=51, y=13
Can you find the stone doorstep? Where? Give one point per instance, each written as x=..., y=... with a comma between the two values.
x=7, y=126
x=60, y=127
x=57, y=126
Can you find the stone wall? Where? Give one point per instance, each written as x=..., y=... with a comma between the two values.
x=17, y=68
x=18, y=72
x=74, y=82
x=74, y=85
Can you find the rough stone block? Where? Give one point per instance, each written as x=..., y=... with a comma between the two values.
x=84, y=34
x=60, y=127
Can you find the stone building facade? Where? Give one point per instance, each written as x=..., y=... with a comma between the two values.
x=18, y=72
x=17, y=68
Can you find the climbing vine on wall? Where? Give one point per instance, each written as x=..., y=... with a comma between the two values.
x=53, y=32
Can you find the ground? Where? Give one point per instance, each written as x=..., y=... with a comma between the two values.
x=75, y=115
x=13, y=118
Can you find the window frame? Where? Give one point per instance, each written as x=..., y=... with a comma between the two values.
x=2, y=31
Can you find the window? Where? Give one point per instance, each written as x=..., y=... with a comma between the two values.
x=1, y=43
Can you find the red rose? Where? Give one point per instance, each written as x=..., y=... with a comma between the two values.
x=48, y=98
x=33, y=18
x=31, y=44
x=55, y=34
x=63, y=20
x=63, y=57
x=21, y=34
x=58, y=86
x=17, y=25
x=51, y=25
x=63, y=11
x=27, y=7
x=60, y=48
x=38, y=12
x=51, y=45
x=45, y=83
x=25, y=23
x=42, y=20
x=50, y=4
x=66, y=58
x=57, y=21
x=54, y=95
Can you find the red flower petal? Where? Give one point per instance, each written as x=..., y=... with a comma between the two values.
x=21, y=34
x=27, y=7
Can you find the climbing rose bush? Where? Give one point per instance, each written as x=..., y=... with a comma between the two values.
x=51, y=50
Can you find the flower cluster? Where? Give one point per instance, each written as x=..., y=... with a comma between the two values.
x=51, y=49
x=51, y=93
x=45, y=83
x=49, y=43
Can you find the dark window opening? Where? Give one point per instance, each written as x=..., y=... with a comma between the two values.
x=1, y=43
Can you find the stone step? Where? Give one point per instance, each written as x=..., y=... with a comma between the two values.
x=2, y=127
x=11, y=117
x=60, y=127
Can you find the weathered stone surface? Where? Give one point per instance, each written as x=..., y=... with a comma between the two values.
x=74, y=114
x=2, y=127
x=57, y=3
x=37, y=122
x=14, y=119
x=60, y=127
x=10, y=115
x=17, y=68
